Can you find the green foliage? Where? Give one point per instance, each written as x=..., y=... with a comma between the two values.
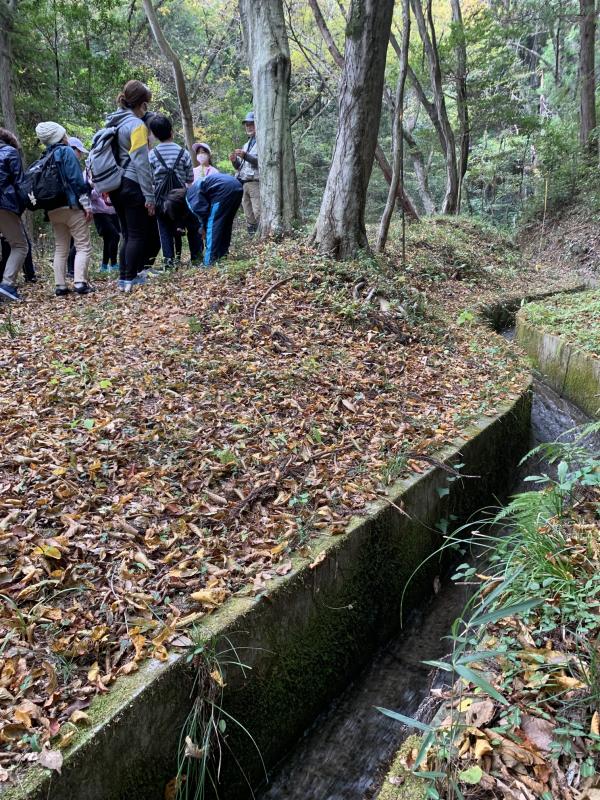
x=575, y=317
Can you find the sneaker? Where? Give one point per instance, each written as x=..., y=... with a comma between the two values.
x=10, y=292
x=84, y=288
x=31, y=279
x=113, y=267
x=62, y=291
x=126, y=287
x=140, y=279
x=104, y=268
x=252, y=229
x=121, y=284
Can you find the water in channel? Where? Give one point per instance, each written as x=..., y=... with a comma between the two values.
x=346, y=752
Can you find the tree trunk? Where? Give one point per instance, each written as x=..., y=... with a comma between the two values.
x=8, y=10
x=171, y=56
x=420, y=169
x=270, y=65
x=380, y=156
x=462, y=108
x=397, y=133
x=587, y=104
x=427, y=34
x=340, y=229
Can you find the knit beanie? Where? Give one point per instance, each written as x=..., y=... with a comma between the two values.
x=50, y=133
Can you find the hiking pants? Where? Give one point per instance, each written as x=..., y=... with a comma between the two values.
x=12, y=229
x=219, y=225
x=140, y=242
x=251, y=202
x=70, y=223
x=108, y=229
x=28, y=268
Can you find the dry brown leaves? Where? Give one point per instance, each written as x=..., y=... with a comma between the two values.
x=162, y=451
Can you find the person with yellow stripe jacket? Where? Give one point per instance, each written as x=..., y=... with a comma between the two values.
x=134, y=201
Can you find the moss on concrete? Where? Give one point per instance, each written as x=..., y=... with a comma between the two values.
x=575, y=318
x=410, y=787
x=571, y=372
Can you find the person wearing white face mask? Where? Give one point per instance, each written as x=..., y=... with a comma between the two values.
x=204, y=155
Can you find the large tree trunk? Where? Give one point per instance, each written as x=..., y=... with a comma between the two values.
x=269, y=59
x=587, y=104
x=428, y=37
x=340, y=229
x=462, y=108
x=380, y=157
x=8, y=10
x=397, y=134
x=173, y=58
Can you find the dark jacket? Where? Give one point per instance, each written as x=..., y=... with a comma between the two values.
x=11, y=175
x=208, y=191
x=77, y=188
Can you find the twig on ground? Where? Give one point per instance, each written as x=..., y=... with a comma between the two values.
x=269, y=292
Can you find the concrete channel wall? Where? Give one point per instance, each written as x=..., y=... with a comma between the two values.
x=303, y=639
x=573, y=373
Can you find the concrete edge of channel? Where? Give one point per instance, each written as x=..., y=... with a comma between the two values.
x=573, y=373
x=303, y=639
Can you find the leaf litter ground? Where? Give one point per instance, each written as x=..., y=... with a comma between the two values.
x=167, y=449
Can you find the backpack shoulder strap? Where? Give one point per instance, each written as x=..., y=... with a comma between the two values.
x=179, y=157
x=156, y=152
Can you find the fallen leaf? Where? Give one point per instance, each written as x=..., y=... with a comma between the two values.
x=51, y=759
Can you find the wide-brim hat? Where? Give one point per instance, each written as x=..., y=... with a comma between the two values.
x=201, y=146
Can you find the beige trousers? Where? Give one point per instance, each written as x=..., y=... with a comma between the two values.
x=67, y=223
x=251, y=202
x=12, y=230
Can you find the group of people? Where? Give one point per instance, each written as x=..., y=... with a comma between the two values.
x=159, y=197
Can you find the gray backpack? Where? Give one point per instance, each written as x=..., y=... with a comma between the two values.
x=103, y=161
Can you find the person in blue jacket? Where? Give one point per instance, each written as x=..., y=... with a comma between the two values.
x=11, y=208
x=214, y=201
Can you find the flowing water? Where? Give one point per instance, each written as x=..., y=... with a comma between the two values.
x=346, y=752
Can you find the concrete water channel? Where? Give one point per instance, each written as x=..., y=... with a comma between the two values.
x=345, y=753
x=322, y=645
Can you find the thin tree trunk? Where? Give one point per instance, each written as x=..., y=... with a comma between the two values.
x=462, y=108
x=340, y=229
x=268, y=53
x=587, y=104
x=397, y=133
x=8, y=10
x=428, y=38
x=171, y=56
x=380, y=156
x=420, y=168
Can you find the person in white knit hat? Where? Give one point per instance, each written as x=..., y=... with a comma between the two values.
x=71, y=220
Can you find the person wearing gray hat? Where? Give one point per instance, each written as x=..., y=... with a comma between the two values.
x=245, y=160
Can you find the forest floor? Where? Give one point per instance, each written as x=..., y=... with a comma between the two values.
x=166, y=449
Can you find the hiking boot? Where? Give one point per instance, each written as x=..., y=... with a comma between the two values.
x=252, y=229
x=62, y=291
x=104, y=268
x=31, y=279
x=10, y=293
x=84, y=288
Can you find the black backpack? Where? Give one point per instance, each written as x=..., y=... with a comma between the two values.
x=170, y=181
x=43, y=186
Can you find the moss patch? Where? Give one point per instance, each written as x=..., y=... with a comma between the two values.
x=400, y=783
x=573, y=317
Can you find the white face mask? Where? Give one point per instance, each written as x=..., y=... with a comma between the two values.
x=203, y=158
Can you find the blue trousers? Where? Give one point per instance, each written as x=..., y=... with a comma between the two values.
x=219, y=225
